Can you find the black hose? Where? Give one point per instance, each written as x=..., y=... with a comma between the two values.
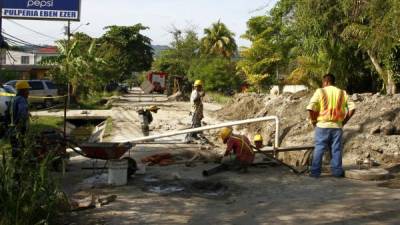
x=294, y=170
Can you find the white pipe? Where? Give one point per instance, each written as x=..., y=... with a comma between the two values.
x=210, y=127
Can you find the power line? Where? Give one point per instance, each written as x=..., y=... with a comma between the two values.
x=15, y=39
x=32, y=30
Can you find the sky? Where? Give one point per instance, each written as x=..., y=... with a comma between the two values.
x=159, y=15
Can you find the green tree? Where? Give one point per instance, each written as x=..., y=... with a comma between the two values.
x=178, y=58
x=76, y=63
x=126, y=50
x=272, y=40
x=218, y=73
x=219, y=41
x=374, y=27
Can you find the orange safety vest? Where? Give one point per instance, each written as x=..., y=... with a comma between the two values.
x=241, y=148
x=332, y=107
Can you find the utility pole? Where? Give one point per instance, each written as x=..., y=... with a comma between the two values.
x=68, y=99
x=67, y=68
x=2, y=44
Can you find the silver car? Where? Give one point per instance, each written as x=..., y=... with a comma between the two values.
x=40, y=89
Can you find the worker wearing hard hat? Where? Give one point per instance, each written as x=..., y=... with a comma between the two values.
x=239, y=153
x=146, y=118
x=329, y=110
x=258, y=141
x=19, y=117
x=196, y=100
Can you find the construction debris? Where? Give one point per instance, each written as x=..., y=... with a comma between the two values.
x=92, y=201
x=162, y=159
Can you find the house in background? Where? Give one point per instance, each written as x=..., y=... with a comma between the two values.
x=26, y=62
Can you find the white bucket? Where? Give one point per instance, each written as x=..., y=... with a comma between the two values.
x=118, y=172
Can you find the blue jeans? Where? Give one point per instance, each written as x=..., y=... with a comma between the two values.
x=325, y=138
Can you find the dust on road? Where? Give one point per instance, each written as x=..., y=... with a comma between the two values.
x=177, y=194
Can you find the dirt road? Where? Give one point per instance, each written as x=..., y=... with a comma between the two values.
x=177, y=194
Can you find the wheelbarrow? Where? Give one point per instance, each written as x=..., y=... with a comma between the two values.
x=105, y=151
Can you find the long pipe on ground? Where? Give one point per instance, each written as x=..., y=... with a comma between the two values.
x=286, y=149
x=216, y=126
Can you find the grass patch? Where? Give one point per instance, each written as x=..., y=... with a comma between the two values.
x=218, y=97
x=37, y=125
x=29, y=192
x=95, y=100
x=40, y=123
x=4, y=146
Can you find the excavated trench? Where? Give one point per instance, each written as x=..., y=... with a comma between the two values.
x=84, y=129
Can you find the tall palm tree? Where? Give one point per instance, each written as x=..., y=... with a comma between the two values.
x=218, y=40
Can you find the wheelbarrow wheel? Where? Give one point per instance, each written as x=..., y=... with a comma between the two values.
x=132, y=166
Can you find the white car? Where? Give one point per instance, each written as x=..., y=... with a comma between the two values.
x=6, y=93
x=39, y=89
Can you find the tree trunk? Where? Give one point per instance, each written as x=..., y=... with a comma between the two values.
x=386, y=75
x=391, y=84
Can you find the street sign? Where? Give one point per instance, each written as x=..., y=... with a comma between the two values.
x=41, y=9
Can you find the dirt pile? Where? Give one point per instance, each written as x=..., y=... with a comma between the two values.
x=373, y=131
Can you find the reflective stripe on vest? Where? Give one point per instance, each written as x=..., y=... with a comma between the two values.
x=243, y=143
x=11, y=111
x=334, y=113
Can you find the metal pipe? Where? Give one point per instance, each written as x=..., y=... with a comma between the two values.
x=216, y=126
x=286, y=149
x=276, y=132
x=215, y=170
x=164, y=143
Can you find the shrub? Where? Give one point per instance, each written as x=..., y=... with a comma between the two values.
x=28, y=192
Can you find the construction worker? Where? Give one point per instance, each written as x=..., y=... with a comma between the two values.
x=258, y=141
x=196, y=100
x=330, y=108
x=239, y=153
x=146, y=118
x=19, y=117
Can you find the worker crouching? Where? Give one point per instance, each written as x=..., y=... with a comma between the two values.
x=258, y=141
x=239, y=154
x=146, y=118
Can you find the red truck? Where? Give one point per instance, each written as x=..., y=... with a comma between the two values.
x=158, y=80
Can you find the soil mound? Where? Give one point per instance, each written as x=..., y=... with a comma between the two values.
x=374, y=131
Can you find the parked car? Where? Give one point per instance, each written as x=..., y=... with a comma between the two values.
x=114, y=86
x=40, y=88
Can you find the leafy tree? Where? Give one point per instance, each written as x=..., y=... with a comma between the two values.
x=272, y=43
x=219, y=41
x=126, y=50
x=76, y=63
x=374, y=27
x=178, y=58
x=305, y=39
x=218, y=73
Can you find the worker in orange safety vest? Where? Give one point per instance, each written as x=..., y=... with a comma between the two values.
x=239, y=153
x=330, y=108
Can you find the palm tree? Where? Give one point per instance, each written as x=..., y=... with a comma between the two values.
x=218, y=40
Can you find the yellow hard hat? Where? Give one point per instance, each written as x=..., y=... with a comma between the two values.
x=22, y=84
x=258, y=137
x=198, y=83
x=153, y=108
x=225, y=132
